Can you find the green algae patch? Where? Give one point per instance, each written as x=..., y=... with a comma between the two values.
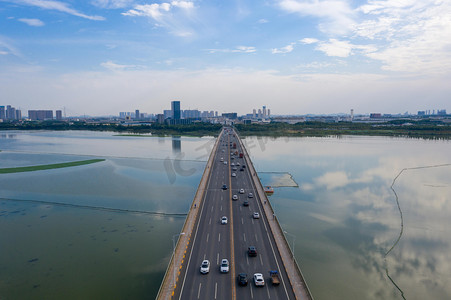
x=49, y=167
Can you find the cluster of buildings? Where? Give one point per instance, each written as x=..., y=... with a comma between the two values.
x=176, y=115
x=10, y=113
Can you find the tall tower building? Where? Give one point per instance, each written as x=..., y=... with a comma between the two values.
x=137, y=114
x=2, y=113
x=254, y=113
x=352, y=114
x=175, y=107
x=59, y=115
x=264, y=112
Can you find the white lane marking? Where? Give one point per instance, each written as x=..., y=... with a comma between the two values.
x=261, y=260
x=198, y=291
x=267, y=290
x=221, y=208
x=252, y=221
x=205, y=255
x=209, y=223
x=219, y=238
x=247, y=259
x=244, y=236
x=252, y=292
x=222, y=198
x=242, y=221
x=217, y=259
x=212, y=208
x=256, y=238
x=240, y=207
x=216, y=289
x=208, y=236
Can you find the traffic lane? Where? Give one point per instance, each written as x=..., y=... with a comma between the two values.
x=258, y=236
x=270, y=243
x=209, y=245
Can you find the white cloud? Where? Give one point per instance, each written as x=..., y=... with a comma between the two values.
x=262, y=21
x=59, y=6
x=7, y=48
x=116, y=67
x=112, y=4
x=414, y=35
x=183, y=4
x=237, y=49
x=309, y=41
x=337, y=16
x=32, y=22
x=286, y=49
x=166, y=16
x=343, y=48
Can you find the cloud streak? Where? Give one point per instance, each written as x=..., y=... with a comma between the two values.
x=58, y=6
x=32, y=22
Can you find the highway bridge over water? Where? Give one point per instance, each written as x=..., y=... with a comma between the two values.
x=204, y=237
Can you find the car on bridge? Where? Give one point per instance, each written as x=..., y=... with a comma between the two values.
x=224, y=220
x=233, y=174
x=224, y=266
x=224, y=187
x=241, y=191
x=252, y=251
x=205, y=266
x=256, y=215
x=259, y=280
x=246, y=203
x=250, y=195
x=235, y=197
x=242, y=279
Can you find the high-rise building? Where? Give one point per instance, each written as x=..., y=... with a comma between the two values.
x=167, y=113
x=18, y=115
x=175, y=107
x=59, y=115
x=254, y=113
x=2, y=113
x=40, y=115
x=264, y=111
x=137, y=116
x=10, y=112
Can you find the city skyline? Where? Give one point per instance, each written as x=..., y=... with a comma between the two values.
x=101, y=57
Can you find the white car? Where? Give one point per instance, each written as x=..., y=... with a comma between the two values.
x=233, y=174
x=205, y=266
x=259, y=280
x=224, y=220
x=237, y=164
x=256, y=215
x=224, y=266
x=235, y=197
x=250, y=195
x=225, y=162
x=232, y=164
x=242, y=191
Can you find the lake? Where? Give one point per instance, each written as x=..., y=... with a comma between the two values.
x=106, y=230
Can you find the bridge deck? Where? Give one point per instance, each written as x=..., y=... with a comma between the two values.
x=204, y=237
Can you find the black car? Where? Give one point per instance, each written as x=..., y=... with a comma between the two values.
x=242, y=279
x=246, y=203
x=224, y=186
x=252, y=251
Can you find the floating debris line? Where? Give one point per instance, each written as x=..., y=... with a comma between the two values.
x=402, y=220
x=110, y=209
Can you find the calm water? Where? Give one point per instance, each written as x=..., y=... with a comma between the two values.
x=343, y=217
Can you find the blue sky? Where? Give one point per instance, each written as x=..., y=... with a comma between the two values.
x=101, y=57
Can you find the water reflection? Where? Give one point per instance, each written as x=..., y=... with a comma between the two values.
x=346, y=217
x=176, y=144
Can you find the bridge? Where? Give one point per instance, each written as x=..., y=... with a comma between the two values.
x=231, y=188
